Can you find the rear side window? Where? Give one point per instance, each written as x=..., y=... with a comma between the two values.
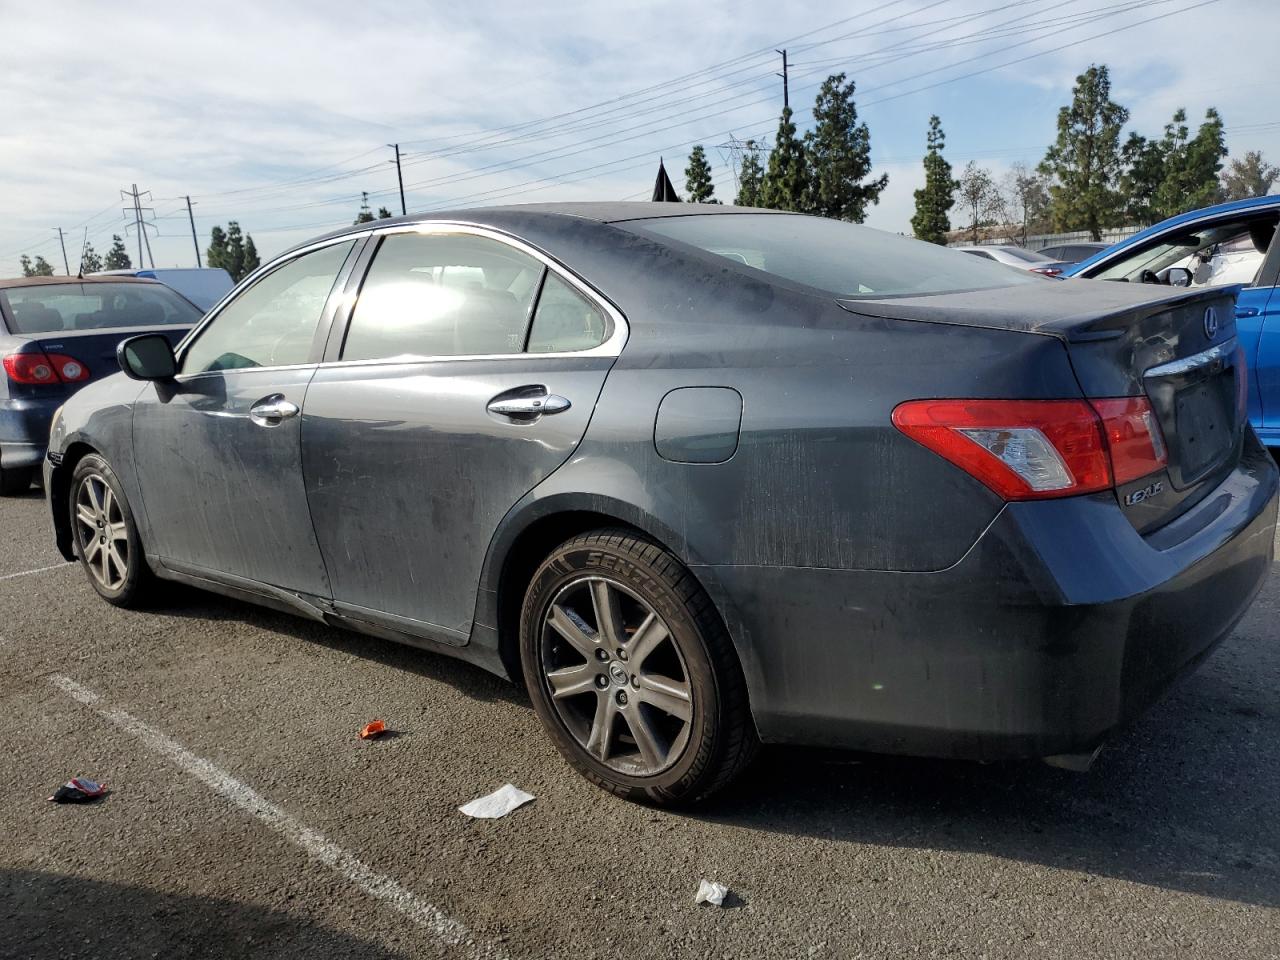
x=55, y=307
x=273, y=322
x=433, y=295
x=565, y=320
x=844, y=259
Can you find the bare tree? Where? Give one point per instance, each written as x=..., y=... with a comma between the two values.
x=977, y=191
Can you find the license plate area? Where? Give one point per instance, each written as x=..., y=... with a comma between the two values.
x=1205, y=430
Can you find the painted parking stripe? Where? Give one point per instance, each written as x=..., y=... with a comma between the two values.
x=27, y=573
x=359, y=874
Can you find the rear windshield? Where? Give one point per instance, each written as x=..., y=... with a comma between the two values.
x=841, y=258
x=1027, y=255
x=54, y=307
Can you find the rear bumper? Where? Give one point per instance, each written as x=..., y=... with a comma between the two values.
x=24, y=430
x=1059, y=625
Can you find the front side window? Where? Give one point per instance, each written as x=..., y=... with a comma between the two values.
x=1223, y=253
x=55, y=307
x=273, y=323
x=442, y=295
x=565, y=320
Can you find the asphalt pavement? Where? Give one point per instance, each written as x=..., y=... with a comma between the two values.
x=245, y=818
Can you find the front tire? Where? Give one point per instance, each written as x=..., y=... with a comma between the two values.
x=632, y=672
x=106, y=535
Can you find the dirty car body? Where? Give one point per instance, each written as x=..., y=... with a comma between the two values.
x=778, y=421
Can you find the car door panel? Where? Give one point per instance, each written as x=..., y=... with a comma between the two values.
x=408, y=474
x=1258, y=327
x=222, y=492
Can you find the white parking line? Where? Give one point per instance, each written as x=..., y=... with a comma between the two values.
x=360, y=874
x=27, y=573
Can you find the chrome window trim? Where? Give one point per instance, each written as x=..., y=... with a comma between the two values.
x=610, y=347
x=1197, y=222
x=1215, y=354
x=180, y=350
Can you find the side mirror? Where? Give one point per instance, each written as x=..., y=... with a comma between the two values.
x=1177, y=277
x=148, y=357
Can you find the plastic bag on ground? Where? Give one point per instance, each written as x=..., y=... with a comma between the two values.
x=497, y=804
x=711, y=892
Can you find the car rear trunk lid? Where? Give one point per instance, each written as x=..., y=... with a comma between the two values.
x=1177, y=348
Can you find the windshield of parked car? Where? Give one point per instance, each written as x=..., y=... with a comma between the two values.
x=57, y=307
x=841, y=258
x=1224, y=253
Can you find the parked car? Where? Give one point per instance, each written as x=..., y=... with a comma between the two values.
x=1014, y=256
x=701, y=477
x=1068, y=253
x=1217, y=247
x=204, y=286
x=58, y=334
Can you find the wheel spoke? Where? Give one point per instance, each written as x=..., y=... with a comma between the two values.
x=571, y=681
x=669, y=696
x=567, y=626
x=600, y=743
x=121, y=567
x=86, y=516
x=646, y=639
x=118, y=531
x=104, y=566
x=108, y=501
x=648, y=740
x=92, y=547
x=95, y=502
x=604, y=599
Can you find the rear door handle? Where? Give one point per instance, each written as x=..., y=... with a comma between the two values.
x=272, y=411
x=528, y=406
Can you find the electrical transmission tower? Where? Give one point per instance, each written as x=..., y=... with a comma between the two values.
x=143, y=218
x=732, y=153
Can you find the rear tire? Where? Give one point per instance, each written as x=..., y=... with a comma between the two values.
x=16, y=481
x=106, y=536
x=632, y=672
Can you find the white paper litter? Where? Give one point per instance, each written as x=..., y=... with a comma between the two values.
x=711, y=892
x=497, y=804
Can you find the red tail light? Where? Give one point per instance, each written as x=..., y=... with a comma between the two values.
x=69, y=369
x=1035, y=449
x=44, y=368
x=33, y=368
x=1047, y=271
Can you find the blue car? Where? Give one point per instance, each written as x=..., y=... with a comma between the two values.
x=56, y=335
x=1230, y=244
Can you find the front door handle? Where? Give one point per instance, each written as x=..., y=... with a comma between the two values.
x=272, y=411
x=529, y=406
x=1242, y=312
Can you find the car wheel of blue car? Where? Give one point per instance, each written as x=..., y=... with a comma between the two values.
x=632, y=672
x=106, y=537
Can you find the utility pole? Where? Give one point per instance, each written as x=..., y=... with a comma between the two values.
x=192, y=217
x=137, y=222
x=399, y=177
x=65, y=265
x=786, y=96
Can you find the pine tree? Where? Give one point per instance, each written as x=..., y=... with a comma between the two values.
x=1085, y=161
x=786, y=182
x=117, y=257
x=384, y=213
x=216, y=256
x=235, y=251
x=251, y=259
x=1249, y=176
x=1144, y=162
x=1192, y=165
x=697, y=177
x=750, y=177
x=838, y=151
x=938, y=195
x=41, y=267
x=90, y=262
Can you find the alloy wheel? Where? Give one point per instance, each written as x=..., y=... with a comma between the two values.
x=101, y=532
x=616, y=677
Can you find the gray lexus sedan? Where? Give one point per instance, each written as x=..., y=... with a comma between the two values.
x=702, y=477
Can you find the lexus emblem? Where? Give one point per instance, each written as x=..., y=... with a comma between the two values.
x=1210, y=322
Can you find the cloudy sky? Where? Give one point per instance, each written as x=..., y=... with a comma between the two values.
x=278, y=115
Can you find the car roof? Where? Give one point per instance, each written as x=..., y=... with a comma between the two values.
x=604, y=212
x=47, y=281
